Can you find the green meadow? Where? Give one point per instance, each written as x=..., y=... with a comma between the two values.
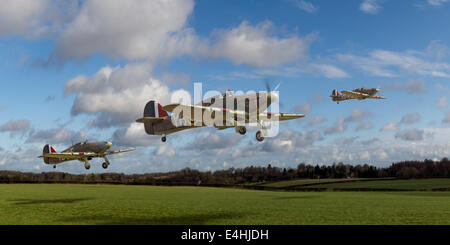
x=51, y=204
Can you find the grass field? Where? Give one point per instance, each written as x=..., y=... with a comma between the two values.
x=119, y=204
x=411, y=184
x=289, y=183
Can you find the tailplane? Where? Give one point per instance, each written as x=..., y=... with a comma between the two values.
x=47, y=149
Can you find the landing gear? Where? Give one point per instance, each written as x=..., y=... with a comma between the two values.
x=87, y=165
x=106, y=163
x=163, y=139
x=54, y=166
x=259, y=136
x=242, y=130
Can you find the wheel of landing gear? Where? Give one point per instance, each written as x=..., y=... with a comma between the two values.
x=87, y=166
x=54, y=166
x=105, y=165
x=242, y=130
x=163, y=139
x=259, y=136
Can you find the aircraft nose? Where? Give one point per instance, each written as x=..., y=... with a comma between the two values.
x=108, y=144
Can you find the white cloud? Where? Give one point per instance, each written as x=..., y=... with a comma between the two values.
x=413, y=86
x=316, y=120
x=15, y=127
x=364, y=126
x=56, y=136
x=130, y=29
x=392, y=126
x=305, y=6
x=165, y=150
x=384, y=63
x=116, y=96
x=437, y=3
x=410, y=118
x=329, y=71
x=254, y=45
x=410, y=134
x=134, y=135
x=339, y=127
x=370, y=6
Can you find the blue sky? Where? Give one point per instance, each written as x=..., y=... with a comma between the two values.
x=75, y=70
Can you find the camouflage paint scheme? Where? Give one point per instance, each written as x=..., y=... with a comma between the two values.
x=359, y=94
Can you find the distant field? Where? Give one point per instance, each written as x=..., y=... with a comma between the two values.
x=119, y=204
x=412, y=184
x=288, y=183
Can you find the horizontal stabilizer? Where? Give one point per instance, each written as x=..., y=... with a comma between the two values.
x=149, y=119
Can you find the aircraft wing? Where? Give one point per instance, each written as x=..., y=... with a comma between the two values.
x=355, y=95
x=279, y=116
x=119, y=151
x=71, y=155
x=377, y=97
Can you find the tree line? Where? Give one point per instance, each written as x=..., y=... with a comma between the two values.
x=233, y=176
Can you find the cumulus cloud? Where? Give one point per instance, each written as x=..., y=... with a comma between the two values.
x=413, y=86
x=410, y=134
x=410, y=118
x=339, y=127
x=316, y=120
x=356, y=115
x=145, y=29
x=364, y=126
x=56, y=136
x=328, y=71
x=370, y=6
x=392, y=126
x=213, y=141
x=35, y=18
x=16, y=127
x=256, y=46
x=116, y=96
x=289, y=140
x=165, y=150
x=133, y=135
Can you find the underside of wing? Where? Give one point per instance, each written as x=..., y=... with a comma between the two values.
x=72, y=155
x=119, y=151
x=355, y=95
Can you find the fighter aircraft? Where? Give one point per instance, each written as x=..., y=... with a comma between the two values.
x=82, y=152
x=359, y=94
x=233, y=111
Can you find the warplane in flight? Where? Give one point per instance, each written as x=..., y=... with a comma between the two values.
x=82, y=152
x=223, y=111
x=359, y=94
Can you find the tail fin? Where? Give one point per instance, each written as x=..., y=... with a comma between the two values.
x=154, y=109
x=47, y=149
x=335, y=93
